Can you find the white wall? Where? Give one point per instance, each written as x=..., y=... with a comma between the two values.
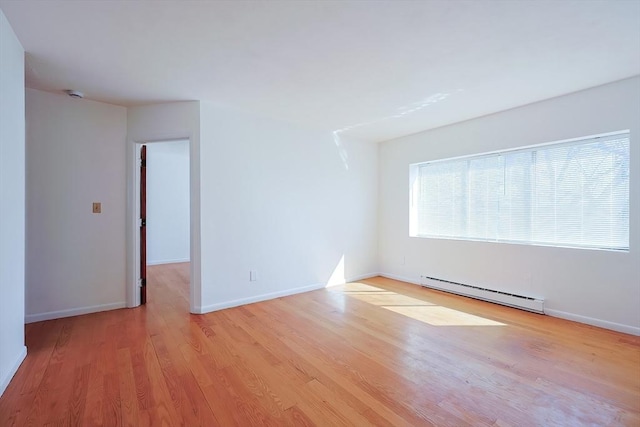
x=12, y=203
x=289, y=203
x=167, y=202
x=597, y=287
x=75, y=156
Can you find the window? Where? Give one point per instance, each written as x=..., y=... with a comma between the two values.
x=572, y=194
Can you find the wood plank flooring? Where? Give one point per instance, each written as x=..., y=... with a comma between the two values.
x=377, y=352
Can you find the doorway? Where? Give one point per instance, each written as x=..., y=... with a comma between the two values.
x=173, y=159
x=165, y=174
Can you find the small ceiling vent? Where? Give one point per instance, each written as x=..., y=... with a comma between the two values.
x=74, y=93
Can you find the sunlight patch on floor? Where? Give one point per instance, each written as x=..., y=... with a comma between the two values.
x=421, y=310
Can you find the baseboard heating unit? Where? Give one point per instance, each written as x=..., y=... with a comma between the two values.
x=512, y=300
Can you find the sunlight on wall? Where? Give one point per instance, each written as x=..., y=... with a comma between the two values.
x=344, y=156
x=421, y=310
x=400, y=112
x=337, y=277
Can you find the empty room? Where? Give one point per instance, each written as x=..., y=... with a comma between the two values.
x=322, y=213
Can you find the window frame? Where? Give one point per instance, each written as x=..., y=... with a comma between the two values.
x=414, y=188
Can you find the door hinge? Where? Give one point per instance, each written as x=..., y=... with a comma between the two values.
x=142, y=282
x=142, y=222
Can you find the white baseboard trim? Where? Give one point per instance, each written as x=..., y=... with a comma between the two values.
x=361, y=277
x=30, y=318
x=415, y=281
x=618, y=327
x=168, y=261
x=257, y=298
x=5, y=380
x=272, y=295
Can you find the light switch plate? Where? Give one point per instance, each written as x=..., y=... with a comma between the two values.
x=97, y=207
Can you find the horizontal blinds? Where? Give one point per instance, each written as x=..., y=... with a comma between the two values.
x=570, y=194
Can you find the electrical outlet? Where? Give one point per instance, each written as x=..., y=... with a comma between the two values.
x=253, y=276
x=97, y=207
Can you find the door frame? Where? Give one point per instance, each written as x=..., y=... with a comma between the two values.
x=142, y=235
x=133, y=215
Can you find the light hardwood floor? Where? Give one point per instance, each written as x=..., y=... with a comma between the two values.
x=377, y=352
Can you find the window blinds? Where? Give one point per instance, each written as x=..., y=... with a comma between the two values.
x=571, y=194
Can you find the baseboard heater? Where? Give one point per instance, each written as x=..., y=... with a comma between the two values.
x=512, y=300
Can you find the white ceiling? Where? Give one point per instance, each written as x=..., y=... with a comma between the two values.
x=374, y=70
